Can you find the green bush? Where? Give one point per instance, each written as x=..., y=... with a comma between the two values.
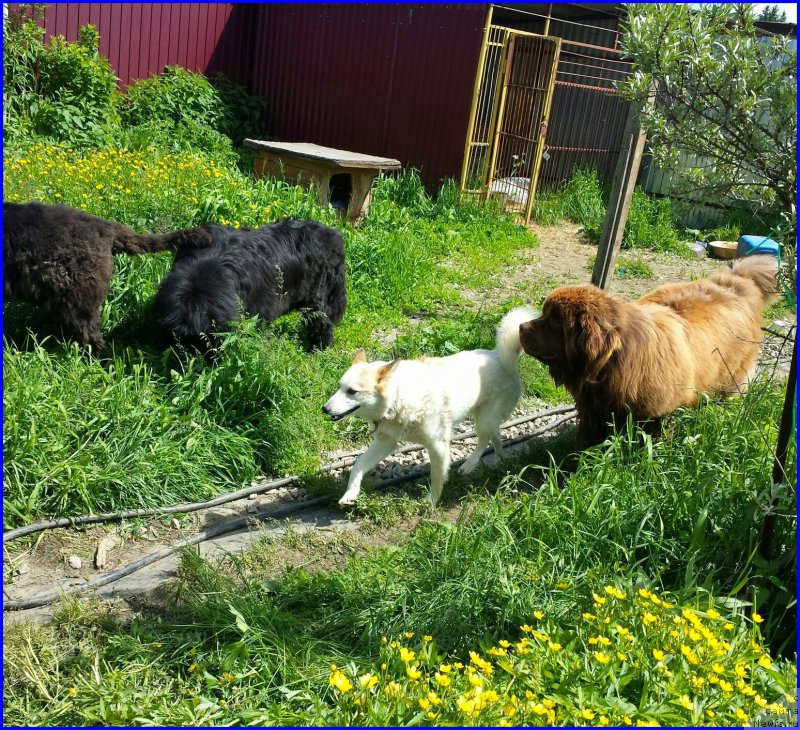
x=651, y=225
x=62, y=91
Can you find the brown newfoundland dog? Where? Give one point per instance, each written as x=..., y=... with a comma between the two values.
x=649, y=357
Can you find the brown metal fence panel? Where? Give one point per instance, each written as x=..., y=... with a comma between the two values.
x=392, y=80
x=140, y=39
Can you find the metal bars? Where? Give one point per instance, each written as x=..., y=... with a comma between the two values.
x=508, y=120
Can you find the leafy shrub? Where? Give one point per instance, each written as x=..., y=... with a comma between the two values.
x=22, y=46
x=176, y=110
x=243, y=110
x=63, y=91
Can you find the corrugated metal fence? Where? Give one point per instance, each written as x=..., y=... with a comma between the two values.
x=139, y=39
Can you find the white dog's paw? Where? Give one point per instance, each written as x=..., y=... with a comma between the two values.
x=348, y=499
x=467, y=468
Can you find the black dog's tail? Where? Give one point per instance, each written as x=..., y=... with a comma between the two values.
x=134, y=243
x=336, y=299
x=198, y=299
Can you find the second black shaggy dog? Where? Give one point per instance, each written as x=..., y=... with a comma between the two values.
x=269, y=271
x=62, y=258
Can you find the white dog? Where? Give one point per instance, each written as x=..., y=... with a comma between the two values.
x=421, y=401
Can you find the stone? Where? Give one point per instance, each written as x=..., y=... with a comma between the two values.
x=175, y=523
x=74, y=562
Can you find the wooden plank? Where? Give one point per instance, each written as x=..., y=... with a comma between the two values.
x=619, y=203
x=328, y=155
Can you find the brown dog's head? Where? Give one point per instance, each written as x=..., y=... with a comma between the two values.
x=577, y=334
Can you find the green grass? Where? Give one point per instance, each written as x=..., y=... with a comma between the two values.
x=154, y=428
x=239, y=646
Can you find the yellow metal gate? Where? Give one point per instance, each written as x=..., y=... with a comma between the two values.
x=508, y=120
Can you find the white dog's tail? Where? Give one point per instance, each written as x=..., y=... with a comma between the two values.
x=508, y=346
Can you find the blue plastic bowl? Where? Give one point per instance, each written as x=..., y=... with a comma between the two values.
x=754, y=245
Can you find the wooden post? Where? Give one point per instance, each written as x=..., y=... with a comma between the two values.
x=779, y=474
x=628, y=162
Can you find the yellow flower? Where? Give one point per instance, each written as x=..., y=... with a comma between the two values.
x=413, y=673
x=368, y=680
x=554, y=646
x=757, y=618
x=442, y=679
x=409, y=634
x=622, y=657
x=563, y=585
x=505, y=644
x=423, y=703
x=728, y=627
x=72, y=691
x=407, y=655
x=538, y=614
x=601, y=657
x=718, y=668
x=340, y=681
x=476, y=680
x=740, y=670
x=764, y=662
x=589, y=616
x=711, y=613
x=685, y=702
x=427, y=638
x=598, y=599
x=228, y=677
x=445, y=668
x=760, y=701
x=622, y=631
x=527, y=629
x=740, y=715
x=658, y=654
x=393, y=689
x=725, y=686
x=496, y=651
x=791, y=699
x=587, y=714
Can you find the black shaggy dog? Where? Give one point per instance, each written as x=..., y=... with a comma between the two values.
x=289, y=265
x=63, y=258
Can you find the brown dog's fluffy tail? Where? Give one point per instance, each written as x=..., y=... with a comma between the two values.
x=762, y=270
x=133, y=243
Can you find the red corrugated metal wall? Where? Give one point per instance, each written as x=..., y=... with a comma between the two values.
x=391, y=80
x=141, y=38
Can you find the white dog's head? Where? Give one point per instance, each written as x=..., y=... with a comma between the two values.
x=361, y=390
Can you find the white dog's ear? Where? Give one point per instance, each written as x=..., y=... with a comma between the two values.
x=386, y=370
x=360, y=356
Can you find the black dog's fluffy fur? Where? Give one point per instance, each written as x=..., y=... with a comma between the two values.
x=63, y=258
x=289, y=265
